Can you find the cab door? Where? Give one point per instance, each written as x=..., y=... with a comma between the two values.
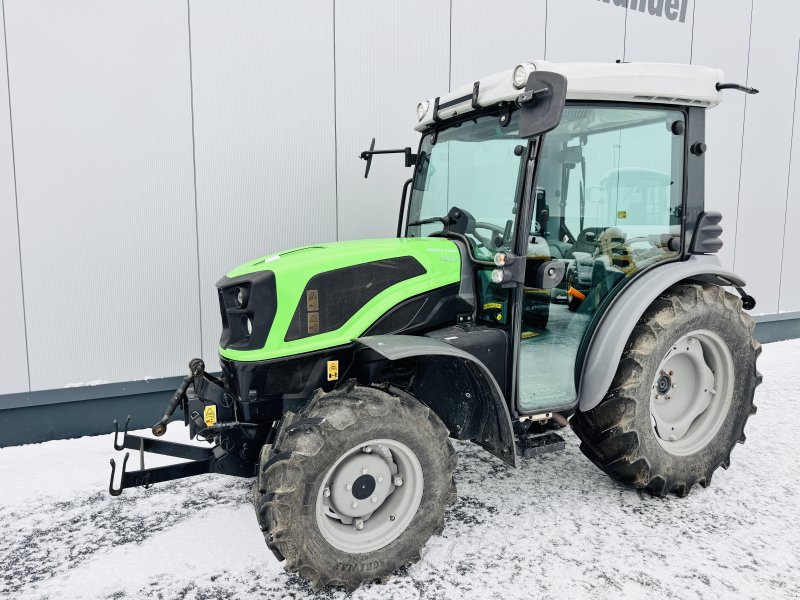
x=608, y=198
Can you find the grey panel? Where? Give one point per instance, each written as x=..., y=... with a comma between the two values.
x=389, y=56
x=585, y=30
x=13, y=353
x=789, y=300
x=486, y=40
x=102, y=132
x=724, y=123
x=611, y=336
x=767, y=138
x=264, y=135
x=659, y=31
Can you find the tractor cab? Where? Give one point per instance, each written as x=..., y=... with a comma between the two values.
x=589, y=174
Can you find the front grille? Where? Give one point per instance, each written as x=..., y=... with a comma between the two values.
x=246, y=326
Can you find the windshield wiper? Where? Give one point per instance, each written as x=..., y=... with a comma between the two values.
x=442, y=220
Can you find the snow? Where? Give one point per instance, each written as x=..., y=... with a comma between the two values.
x=555, y=527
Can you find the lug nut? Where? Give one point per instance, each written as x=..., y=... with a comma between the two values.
x=374, y=499
x=380, y=478
x=354, y=504
x=359, y=524
x=348, y=486
x=713, y=392
x=367, y=449
x=326, y=492
x=364, y=471
x=398, y=481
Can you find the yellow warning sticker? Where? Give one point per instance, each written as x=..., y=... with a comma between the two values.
x=333, y=370
x=489, y=305
x=210, y=415
x=622, y=214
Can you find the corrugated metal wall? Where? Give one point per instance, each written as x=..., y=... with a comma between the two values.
x=158, y=144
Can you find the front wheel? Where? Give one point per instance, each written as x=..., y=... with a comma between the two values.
x=681, y=396
x=355, y=485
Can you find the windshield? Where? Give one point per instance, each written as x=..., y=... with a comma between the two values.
x=475, y=166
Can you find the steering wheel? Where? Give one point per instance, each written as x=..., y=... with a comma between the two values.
x=488, y=242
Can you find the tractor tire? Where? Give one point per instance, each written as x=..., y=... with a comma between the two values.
x=350, y=451
x=681, y=396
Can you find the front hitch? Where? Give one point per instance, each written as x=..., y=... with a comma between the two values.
x=231, y=453
x=201, y=460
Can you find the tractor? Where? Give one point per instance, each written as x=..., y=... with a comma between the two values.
x=348, y=367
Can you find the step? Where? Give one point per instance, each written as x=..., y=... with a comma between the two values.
x=536, y=445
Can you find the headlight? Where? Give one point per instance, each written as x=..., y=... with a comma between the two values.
x=422, y=109
x=498, y=276
x=521, y=75
x=247, y=325
x=241, y=297
x=500, y=259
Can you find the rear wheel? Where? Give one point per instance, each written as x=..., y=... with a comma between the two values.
x=355, y=485
x=681, y=396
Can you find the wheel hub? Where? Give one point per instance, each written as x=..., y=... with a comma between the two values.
x=369, y=496
x=363, y=487
x=686, y=405
x=360, y=485
x=664, y=383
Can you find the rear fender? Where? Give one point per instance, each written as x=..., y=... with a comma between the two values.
x=484, y=405
x=607, y=344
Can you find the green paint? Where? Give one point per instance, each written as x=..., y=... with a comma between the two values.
x=294, y=268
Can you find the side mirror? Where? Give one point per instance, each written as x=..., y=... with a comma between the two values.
x=542, y=103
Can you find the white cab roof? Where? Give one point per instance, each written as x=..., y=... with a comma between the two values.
x=659, y=83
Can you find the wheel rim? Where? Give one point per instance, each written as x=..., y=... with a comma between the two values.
x=369, y=496
x=691, y=392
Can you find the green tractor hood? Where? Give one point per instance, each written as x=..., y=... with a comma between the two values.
x=326, y=295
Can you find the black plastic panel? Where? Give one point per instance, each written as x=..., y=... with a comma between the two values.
x=330, y=299
x=259, y=307
x=433, y=309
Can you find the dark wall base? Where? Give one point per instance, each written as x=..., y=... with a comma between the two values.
x=777, y=331
x=74, y=412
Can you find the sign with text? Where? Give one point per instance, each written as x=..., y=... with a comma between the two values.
x=674, y=10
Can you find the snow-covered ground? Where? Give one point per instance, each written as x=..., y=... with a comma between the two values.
x=555, y=528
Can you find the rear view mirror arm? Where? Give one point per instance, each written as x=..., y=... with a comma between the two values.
x=367, y=155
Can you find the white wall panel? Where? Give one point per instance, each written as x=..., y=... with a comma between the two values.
x=389, y=56
x=585, y=30
x=102, y=132
x=264, y=135
x=486, y=40
x=13, y=354
x=790, y=272
x=724, y=123
x=767, y=137
x=659, y=31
